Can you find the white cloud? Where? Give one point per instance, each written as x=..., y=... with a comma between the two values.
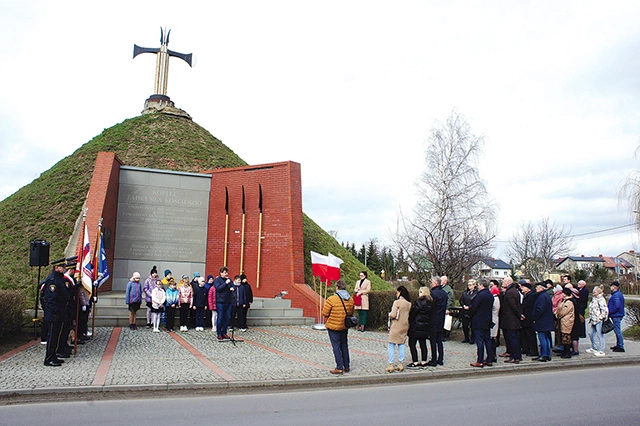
x=350, y=91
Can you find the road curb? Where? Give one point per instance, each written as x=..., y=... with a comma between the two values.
x=346, y=380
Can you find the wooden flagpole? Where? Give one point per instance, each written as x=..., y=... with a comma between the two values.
x=80, y=259
x=94, y=291
x=260, y=238
x=226, y=224
x=242, y=235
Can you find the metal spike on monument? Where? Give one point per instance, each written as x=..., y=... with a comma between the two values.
x=260, y=237
x=242, y=234
x=159, y=101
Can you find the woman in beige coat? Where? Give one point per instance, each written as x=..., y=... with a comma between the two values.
x=566, y=315
x=361, y=291
x=399, y=326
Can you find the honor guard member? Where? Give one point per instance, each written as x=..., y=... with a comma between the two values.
x=54, y=311
x=68, y=315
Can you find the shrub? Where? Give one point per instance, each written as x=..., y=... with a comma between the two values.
x=633, y=311
x=380, y=305
x=12, y=305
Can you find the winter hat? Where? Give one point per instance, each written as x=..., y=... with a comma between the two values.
x=558, y=288
x=185, y=277
x=196, y=274
x=135, y=275
x=154, y=270
x=615, y=283
x=242, y=277
x=200, y=280
x=167, y=272
x=209, y=277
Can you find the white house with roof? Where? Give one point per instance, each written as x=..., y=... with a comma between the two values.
x=574, y=263
x=618, y=265
x=491, y=268
x=633, y=258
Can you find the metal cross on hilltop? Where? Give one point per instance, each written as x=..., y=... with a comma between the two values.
x=162, y=61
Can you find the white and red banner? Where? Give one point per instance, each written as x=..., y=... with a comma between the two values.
x=319, y=264
x=325, y=267
x=87, y=266
x=333, y=267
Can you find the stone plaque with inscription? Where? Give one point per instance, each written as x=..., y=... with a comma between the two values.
x=162, y=220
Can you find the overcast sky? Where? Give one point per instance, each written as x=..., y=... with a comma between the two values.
x=350, y=89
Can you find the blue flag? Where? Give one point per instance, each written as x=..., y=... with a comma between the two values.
x=103, y=270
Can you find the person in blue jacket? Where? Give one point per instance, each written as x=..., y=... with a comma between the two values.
x=133, y=298
x=542, y=316
x=616, y=313
x=436, y=332
x=239, y=302
x=224, y=290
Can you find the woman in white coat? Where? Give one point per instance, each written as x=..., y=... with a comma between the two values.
x=361, y=298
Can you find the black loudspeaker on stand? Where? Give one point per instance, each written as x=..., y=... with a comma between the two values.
x=39, y=253
x=38, y=256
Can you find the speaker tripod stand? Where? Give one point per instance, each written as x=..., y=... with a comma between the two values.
x=233, y=339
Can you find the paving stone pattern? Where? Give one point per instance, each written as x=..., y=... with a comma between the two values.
x=274, y=353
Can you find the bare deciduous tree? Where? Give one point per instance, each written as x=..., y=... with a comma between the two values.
x=453, y=222
x=630, y=192
x=536, y=247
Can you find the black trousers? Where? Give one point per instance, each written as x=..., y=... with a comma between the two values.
x=184, y=315
x=513, y=344
x=414, y=351
x=467, y=329
x=54, y=330
x=246, y=314
x=171, y=317
x=238, y=317
x=528, y=341
x=63, y=342
x=436, y=346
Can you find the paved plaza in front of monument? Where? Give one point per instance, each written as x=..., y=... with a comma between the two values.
x=120, y=359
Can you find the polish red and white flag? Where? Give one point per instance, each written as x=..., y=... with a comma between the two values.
x=333, y=267
x=319, y=265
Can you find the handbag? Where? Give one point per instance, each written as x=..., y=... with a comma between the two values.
x=350, y=321
x=357, y=300
x=607, y=326
x=448, y=322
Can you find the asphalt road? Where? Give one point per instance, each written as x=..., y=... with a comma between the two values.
x=596, y=396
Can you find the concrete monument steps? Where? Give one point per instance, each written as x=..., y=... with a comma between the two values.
x=112, y=311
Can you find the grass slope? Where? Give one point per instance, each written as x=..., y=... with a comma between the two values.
x=48, y=207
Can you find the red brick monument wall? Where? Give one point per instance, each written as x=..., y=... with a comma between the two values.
x=281, y=263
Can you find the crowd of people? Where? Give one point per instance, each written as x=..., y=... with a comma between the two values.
x=526, y=315
x=218, y=301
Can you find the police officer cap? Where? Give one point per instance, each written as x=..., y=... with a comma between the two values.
x=59, y=262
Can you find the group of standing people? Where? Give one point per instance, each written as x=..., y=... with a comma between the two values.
x=220, y=301
x=420, y=321
x=527, y=316
x=65, y=303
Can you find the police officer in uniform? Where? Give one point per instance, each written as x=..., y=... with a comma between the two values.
x=55, y=302
x=70, y=291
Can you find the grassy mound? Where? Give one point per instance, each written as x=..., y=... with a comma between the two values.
x=48, y=207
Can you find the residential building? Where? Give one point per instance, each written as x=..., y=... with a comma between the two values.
x=491, y=268
x=574, y=263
